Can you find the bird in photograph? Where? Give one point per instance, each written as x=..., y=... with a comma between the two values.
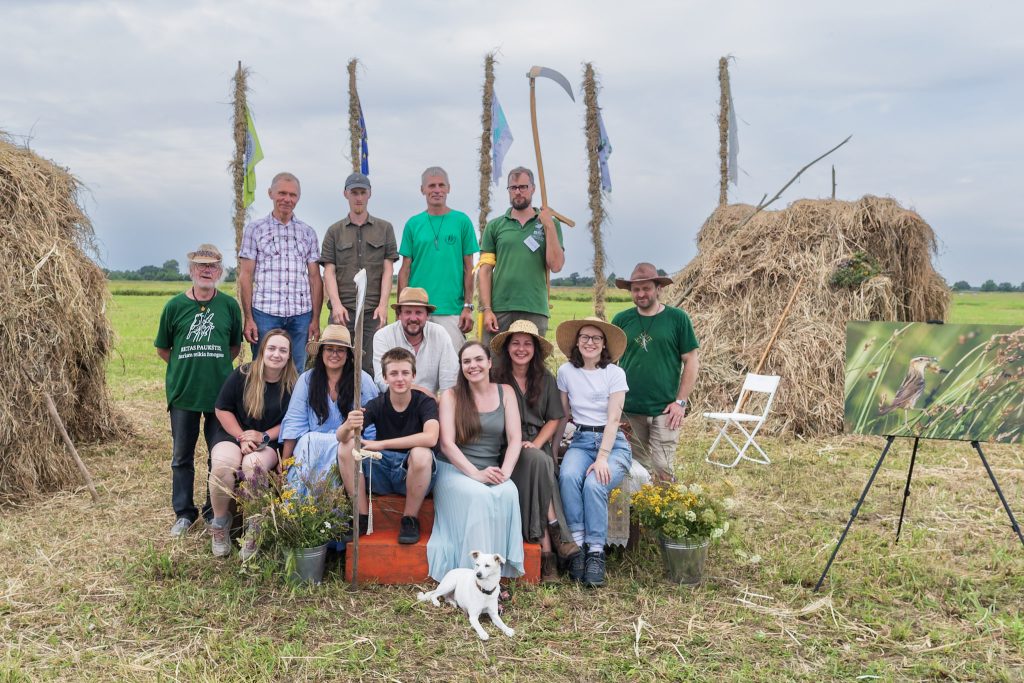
x=912, y=388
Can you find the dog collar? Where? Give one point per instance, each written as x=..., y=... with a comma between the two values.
x=481, y=588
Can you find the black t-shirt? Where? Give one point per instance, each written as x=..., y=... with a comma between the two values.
x=392, y=424
x=230, y=399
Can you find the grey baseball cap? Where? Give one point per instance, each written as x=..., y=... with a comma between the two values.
x=357, y=180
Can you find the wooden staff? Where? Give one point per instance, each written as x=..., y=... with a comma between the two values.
x=771, y=340
x=51, y=407
x=357, y=381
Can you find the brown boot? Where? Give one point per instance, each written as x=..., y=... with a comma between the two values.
x=567, y=550
x=548, y=568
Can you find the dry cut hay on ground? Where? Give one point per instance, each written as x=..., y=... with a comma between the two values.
x=56, y=337
x=738, y=285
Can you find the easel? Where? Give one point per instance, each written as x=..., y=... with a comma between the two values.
x=906, y=492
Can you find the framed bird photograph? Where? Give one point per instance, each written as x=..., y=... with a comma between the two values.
x=961, y=382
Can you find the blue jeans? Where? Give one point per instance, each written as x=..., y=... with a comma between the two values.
x=391, y=471
x=297, y=327
x=584, y=498
x=184, y=435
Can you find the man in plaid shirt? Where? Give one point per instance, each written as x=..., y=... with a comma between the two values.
x=279, y=282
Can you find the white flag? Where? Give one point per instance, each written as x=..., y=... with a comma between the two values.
x=360, y=280
x=604, y=150
x=734, y=142
x=501, y=139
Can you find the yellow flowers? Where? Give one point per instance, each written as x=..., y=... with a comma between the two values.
x=682, y=511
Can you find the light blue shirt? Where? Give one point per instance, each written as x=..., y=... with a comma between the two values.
x=300, y=418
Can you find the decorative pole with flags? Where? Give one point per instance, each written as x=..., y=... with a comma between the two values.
x=487, y=122
x=728, y=142
x=358, y=147
x=598, y=180
x=238, y=165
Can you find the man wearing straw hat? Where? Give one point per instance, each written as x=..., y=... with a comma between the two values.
x=359, y=241
x=437, y=364
x=437, y=254
x=200, y=333
x=279, y=283
x=661, y=366
x=518, y=248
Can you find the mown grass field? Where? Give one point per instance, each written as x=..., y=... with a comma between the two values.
x=99, y=592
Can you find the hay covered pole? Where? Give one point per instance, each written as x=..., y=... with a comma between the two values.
x=594, y=192
x=487, y=124
x=239, y=128
x=355, y=131
x=723, y=131
x=57, y=336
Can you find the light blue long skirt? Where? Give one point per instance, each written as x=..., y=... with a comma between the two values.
x=472, y=516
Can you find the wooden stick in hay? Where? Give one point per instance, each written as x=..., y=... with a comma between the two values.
x=51, y=407
x=239, y=128
x=771, y=340
x=355, y=133
x=723, y=130
x=597, y=214
x=485, y=142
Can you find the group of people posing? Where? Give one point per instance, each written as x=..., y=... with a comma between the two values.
x=478, y=424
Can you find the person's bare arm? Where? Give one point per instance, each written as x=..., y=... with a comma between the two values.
x=381, y=312
x=513, y=432
x=404, y=273
x=246, y=273
x=554, y=255
x=688, y=379
x=316, y=291
x=490, y=319
x=339, y=314
x=466, y=316
x=165, y=355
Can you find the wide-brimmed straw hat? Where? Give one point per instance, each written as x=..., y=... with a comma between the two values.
x=414, y=296
x=205, y=253
x=333, y=335
x=522, y=327
x=614, y=337
x=642, y=273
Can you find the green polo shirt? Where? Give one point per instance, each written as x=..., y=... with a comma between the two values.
x=652, y=361
x=437, y=245
x=351, y=247
x=518, y=282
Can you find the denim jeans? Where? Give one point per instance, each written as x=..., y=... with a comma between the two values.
x=297, y=327
x=584, y=499
x=391, y=472
x=184, y=435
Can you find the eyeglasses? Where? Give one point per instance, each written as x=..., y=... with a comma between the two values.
x=334, y=350
x=206, y=266
x=518, y=188
x=588, y=338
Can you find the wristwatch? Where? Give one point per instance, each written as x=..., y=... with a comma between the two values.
x=469, y=306
x=266, y=438
x=681, y=402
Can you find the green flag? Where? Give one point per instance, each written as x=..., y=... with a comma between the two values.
x=253, y=155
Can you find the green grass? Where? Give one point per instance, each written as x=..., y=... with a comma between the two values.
x=996, y=308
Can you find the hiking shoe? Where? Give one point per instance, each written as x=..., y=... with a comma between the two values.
x=410, y=530
x=593, y=574
x=252, y=532
x=567, y=550
x=220, y=540
x=180, y=527
x=548, y=568
x=576, y=567
x=364, y=524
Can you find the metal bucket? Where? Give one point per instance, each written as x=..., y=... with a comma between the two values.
x=684, y=558
x=309, y=564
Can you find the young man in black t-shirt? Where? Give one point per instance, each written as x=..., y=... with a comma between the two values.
x=407, y=431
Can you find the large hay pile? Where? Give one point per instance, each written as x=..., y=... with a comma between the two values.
x=55, y=335
x=738, y=285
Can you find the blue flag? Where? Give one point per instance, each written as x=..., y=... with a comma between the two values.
x=501, y=139
x=604, y=150
x=364, y=149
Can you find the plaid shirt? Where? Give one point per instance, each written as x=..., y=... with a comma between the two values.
x=282, y=254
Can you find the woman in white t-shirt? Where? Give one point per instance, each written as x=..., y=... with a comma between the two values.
x=593, y=390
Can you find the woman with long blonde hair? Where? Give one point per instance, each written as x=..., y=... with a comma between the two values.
x=251, y=405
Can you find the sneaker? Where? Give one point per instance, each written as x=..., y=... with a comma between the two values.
x=180, y=527
x=593, y=575
x=364, y=524
x=410, y=530
x=220, y=540
x=548, y=568
x=576, y=567
x=252, y=532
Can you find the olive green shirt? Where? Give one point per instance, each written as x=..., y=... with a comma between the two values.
x=518, y=282
x=351, y=247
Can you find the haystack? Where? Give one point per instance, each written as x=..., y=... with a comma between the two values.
x=55, y=336
x=738, y=285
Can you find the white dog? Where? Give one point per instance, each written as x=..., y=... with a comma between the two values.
x=474, y=590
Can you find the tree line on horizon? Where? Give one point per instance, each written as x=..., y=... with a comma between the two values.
x=987, y=286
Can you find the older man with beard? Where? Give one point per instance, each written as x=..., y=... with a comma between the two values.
x=437, y=364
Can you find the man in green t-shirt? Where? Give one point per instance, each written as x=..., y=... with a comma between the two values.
x=517, y=251
x=200, y=333
x=437, y=255
x=660, y=343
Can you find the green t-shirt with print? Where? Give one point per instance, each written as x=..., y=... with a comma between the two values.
x=518, y=282
x=437, y=245
x=652, y=361
x=200, y=336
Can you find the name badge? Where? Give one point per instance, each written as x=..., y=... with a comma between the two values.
x=531, y=243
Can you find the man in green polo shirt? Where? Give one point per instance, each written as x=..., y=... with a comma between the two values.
x=437, y=255
x=517, y=251
x=659, y=343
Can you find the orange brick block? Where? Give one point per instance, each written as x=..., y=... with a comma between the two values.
x=383, y=559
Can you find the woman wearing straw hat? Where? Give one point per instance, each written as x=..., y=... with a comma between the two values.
x=476, y=505
x=593, y=391
x=321, y=399
x=521, y=352
x=249, y=410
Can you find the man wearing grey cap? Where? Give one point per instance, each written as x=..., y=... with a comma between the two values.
x=358, y=241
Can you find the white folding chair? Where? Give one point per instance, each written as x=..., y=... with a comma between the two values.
x=761, y=384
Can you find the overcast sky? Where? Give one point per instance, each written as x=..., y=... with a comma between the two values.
x=135, y=99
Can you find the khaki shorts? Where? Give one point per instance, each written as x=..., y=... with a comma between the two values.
x=450, y=323
x=653, y=443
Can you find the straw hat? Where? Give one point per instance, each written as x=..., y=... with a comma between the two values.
x=642, y=273
x=614, y=337
x=523, y=327
x=206, y=253
x=333, y=335
x=413, y=296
